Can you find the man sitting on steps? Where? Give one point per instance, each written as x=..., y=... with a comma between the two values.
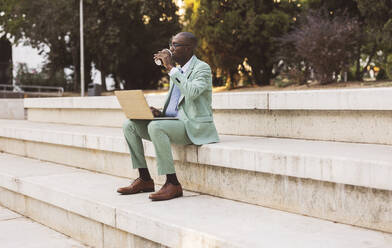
x=189, y=99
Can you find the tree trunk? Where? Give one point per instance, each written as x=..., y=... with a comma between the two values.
x=75, y=62
x=264, y=77
x=358, y=75
x=75, y=48
x=103, y=81
x=87, y=75
x=230, y=84
x=116, y=82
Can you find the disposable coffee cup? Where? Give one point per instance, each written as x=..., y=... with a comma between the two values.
x=159, y=62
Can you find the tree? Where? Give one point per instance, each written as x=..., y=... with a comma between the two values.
x=375, y=26
x=120, y=36
x=124, y=36
x=232, y=31
x=326, y=43
x=5, y=61
x=45, y=22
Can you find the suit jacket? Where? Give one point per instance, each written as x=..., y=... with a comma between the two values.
x=194, y=105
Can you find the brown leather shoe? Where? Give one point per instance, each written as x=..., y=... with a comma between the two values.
x=167, y=192
x=138, y=186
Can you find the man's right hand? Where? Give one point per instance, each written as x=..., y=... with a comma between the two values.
x=166, y=57
x=155, y=112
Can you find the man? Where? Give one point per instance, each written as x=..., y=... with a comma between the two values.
x=189, y=99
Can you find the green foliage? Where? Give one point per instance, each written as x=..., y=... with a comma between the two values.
x=388, y=66
x=376, y=19
x=382, y=75
x=282, y=81
x=325, y=43
x=235, y=35
x=120, y=36
x=46, y=22
x=231, y=31
x=375, y=22
x=289, y=77
x=25, y=76
x=124, y=36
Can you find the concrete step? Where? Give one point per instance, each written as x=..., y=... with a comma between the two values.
x=353, y=115
x=18, y=231
x=12, y=109
x=84, y=205
x=344, y=182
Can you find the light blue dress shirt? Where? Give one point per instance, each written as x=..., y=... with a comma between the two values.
x=172, y=107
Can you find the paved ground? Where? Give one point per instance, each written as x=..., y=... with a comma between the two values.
x=17, y=231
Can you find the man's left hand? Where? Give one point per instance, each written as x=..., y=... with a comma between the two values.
x=155, y=112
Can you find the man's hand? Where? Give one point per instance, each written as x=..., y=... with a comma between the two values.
x=166, y=58
x=155, y=112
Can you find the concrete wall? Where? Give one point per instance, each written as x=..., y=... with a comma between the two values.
x=12, y=109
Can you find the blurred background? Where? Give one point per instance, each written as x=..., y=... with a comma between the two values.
x=249, y=44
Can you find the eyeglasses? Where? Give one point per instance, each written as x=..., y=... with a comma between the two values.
x=175, y=45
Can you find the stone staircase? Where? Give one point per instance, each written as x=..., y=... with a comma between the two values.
x=13, y=226
x=283, y=156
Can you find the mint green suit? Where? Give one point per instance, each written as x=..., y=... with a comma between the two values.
x=195, y=124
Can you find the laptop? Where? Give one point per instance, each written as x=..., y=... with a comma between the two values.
x=135, y=106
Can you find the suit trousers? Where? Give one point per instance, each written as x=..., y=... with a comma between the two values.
x=162, y=133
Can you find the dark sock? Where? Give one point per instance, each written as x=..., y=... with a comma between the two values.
x=144, y=174
x=172, y=178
